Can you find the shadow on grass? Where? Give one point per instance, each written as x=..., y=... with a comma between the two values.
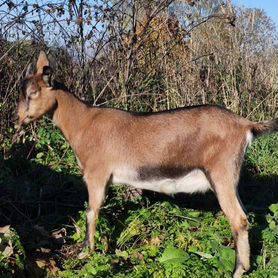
x=257, y=194
x=36, y=200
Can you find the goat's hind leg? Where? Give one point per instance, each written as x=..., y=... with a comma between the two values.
x=225, y=185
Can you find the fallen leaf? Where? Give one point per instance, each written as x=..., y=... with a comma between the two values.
x=83, y=255
x=53, y=268
x=41, y=263
x=43, y=250
x=58, y=236
x=59, y=233
x=48, y=264
x=5, y=229
x=115, y=261
x=8, y=251
x=138, y=256
x=155, y=241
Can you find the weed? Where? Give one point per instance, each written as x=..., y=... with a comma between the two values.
x=263, y=155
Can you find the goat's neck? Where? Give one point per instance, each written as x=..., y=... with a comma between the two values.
x=71, y=116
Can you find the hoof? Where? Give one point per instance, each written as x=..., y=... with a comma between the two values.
x=239, y=272
x=83, y=255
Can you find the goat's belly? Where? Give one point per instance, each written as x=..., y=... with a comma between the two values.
x=194, y=181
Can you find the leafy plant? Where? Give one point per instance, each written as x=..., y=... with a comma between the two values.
x=12, y=254
x=174, y=261
x=263, y=155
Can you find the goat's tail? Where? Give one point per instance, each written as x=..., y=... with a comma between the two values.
x=263, y=128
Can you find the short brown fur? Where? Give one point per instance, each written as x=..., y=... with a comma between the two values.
x=171, y=144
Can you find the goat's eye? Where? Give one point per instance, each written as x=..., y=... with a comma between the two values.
x=32, y=94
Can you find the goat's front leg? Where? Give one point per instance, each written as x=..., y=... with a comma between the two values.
x=96, y=183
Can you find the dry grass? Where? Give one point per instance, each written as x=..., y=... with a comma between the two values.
x=145, y=58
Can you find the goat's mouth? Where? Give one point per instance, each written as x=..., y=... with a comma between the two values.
x=19, y=127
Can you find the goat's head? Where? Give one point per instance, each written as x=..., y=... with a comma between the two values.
x=36, y=94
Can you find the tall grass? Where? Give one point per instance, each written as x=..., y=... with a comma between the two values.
x=146, y=56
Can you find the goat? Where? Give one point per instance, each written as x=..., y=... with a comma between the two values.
x=190, y=149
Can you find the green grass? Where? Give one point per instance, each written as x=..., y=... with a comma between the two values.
x=148, y=236
x=263, y=155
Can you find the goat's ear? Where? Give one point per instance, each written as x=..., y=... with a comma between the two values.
x=47, y=75
x=29, y=70
x=42, y=62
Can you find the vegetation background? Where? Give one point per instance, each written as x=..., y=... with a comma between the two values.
x=141, y=55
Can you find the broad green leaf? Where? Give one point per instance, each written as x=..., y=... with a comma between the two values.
x=274, y=208
x=173, y=255
x=227, y=257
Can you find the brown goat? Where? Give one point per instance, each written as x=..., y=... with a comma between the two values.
x=182, y=150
